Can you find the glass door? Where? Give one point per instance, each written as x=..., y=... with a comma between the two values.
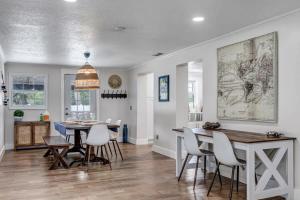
x=79, y=104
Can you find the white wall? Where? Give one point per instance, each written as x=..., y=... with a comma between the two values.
x=288, y=28
x=115, y=109
x=1, y=107
x=182, y=110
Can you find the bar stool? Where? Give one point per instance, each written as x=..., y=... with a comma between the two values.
x=191, y=144
x=225, y=156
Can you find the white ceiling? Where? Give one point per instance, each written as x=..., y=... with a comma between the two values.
x=57, y=32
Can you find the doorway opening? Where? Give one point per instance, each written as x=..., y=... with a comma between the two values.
x=145, y=109
x=195, y=92
x=189, y=94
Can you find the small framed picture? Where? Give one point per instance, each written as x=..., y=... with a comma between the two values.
x=163, y=88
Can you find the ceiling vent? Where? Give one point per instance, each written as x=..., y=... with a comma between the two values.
x=119, y=28
x=158, y=54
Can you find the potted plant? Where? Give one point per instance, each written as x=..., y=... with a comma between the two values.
x=18, y=115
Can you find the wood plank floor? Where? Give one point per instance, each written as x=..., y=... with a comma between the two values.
x=143, y=175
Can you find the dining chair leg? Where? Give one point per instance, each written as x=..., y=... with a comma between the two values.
x=89, y=156
x=97, y=151
x=237, y=178
x=255, y=179
x=183, y=166
x=212, y=182
x=101, y=151
x=205, y=166
x=109, y=149
x=107, y=157
x=115, y=149
x=219, y=173
x=119, y=149
x=232, y=181
x=196, y=171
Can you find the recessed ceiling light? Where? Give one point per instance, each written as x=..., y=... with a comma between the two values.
x=71, y=1
x=198, y=19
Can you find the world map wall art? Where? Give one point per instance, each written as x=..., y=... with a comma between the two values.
x=247, y=80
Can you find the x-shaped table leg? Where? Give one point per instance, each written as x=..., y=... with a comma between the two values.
x=59, y=158
x=271, y=169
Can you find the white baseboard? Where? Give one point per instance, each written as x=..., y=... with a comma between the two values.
x=296, y=192
x=2, y=151
x=132, y=140
x=164, y=151
x=142, y=141
x=9, y=146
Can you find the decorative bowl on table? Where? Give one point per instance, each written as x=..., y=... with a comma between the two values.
x=273, y=134
x=211, y=125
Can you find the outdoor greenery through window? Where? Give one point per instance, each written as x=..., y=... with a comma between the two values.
x=28, y=91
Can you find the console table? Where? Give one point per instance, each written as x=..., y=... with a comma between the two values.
x=254, y=144
x=29, y=134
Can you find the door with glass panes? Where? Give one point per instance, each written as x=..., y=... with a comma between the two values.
x=78, y=104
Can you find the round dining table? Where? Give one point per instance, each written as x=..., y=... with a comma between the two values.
x=78, y=148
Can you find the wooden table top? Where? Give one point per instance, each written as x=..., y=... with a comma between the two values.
x=86, y=126
x=55, y=141
x=238, y=136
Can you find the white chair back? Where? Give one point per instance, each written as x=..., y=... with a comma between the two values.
x=223, y=149
x=190, y=142
x=108, y=121
x=118, y=122
x=98, y=135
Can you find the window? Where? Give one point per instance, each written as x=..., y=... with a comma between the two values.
x=28, y=91
x=79, y=104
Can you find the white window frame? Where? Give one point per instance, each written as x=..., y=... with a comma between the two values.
x=28, y=107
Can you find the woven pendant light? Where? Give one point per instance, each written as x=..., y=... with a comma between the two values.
x=87, y=77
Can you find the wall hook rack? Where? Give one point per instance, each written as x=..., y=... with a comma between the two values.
x=106, y=94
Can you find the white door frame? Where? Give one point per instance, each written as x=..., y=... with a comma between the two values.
x=73, y=71
x=145, y=139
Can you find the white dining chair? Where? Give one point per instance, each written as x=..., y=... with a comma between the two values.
x=108, y=120
x=97, y=137
x=114, y=135
x=192, y=145
x=225, y=156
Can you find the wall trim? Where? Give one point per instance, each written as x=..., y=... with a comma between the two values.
x=9, y=146
x=164, y=151
x=141, y=141
x=2, y=152
x=131, y=140
x=245, y=28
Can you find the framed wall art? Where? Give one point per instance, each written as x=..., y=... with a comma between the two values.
x=247, y=80
x=163, y=88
